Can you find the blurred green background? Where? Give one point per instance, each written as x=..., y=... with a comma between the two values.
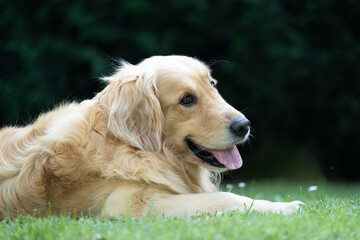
x=293, y=68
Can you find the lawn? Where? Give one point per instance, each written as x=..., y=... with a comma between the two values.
x=332, y=211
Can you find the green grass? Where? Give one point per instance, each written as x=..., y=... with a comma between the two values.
x=331, y=212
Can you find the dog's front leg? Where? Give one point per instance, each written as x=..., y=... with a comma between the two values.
x=176, y=205
x=138, y=202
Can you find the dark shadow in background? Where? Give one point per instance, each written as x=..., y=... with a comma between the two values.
x=294, y=68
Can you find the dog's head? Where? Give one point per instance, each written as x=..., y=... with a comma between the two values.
x=174, y=99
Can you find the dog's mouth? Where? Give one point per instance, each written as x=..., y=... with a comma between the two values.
x=228, y=158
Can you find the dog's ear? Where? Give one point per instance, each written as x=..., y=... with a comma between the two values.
x=135, y=114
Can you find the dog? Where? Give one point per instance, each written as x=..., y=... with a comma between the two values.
x=152, y=140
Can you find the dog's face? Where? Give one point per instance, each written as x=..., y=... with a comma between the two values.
x=198, y=122
x=193, y=117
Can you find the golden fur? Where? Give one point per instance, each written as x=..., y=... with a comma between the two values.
x=124, y=150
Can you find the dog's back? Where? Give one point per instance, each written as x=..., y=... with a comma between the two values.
x=25, y=170
x=20, y=156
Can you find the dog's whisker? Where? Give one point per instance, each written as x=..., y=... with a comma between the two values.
x=214, y=61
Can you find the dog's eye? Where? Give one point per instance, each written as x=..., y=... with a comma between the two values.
x=213, y=84
x=187, y=100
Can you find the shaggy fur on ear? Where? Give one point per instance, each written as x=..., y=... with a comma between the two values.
x=135, y=114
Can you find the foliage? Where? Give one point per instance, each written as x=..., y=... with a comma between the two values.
x=293, y=65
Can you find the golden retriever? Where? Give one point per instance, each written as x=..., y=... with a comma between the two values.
x=149, y=141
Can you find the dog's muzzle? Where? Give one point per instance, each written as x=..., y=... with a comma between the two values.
x=204, y=155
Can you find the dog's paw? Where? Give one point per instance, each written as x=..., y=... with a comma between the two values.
x=288, y=208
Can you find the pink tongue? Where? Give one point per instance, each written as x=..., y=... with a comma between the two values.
x=229, y=157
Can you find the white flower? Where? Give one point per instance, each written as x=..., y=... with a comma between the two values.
x=229, y=186
x=313, y=188
x=241, y=185
x=98, y=236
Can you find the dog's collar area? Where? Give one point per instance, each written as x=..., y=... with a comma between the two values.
x=204, y=155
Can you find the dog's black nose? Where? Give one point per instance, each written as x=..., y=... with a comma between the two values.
x=240, y=126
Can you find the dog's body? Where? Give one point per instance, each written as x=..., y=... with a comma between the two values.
x=147, y=141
